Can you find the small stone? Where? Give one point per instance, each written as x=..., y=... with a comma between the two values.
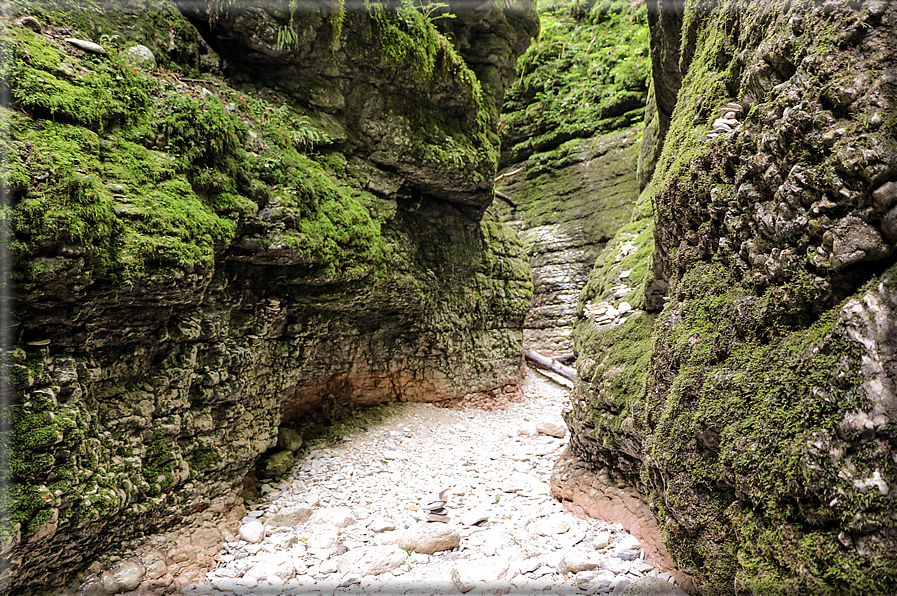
x=288, y=439
x=87, y=46
x=574, y=561
x=584, y=577
x=529, y=429
x=613, y=564
x=381, y=525
x=350, y=580
x=29, y=23
x=600, y=581
x=338, y=517
x=618, y=584
x=372, y=560
x=601, y=539
x=328, y=567
x=554, y=429
x=628, y=541
x=467, y=575
x=252, y=532
x=473, y=517
x=141, y=55
x=290, y=516
x=885, y=195
x=276, y=465
x=429, y=538
x=551, y=525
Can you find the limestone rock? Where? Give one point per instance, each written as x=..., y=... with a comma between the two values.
x=87, y=46
x=372, y=560
x=467, y=575
x=288, y=439
x=429, y=538
x=29, y=23
x=473, y=517
x=290, y=516
x=381, y=525
x=128, y=575
x=253, y=532
x=276, y=465
x=323, y=537
x=278, y=566
x=551, y=525
x=529, y=429
x=337, y=517
x=575, y=560
x=627, y=542
x=142, y=55
x=551, y=428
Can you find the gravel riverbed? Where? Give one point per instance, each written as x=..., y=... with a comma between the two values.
x=351, y=516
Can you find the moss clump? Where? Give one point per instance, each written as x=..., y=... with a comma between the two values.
x=47, y=80
x=587, y=73
x=752, y=412
x=150, y=175
x=405, y=37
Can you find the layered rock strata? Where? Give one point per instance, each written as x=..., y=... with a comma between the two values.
x=570, y=150
x=754, y=406
x=189, y=279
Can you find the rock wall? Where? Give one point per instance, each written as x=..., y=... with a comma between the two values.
x=570, y=151
x=201, y=260
x=753, y=406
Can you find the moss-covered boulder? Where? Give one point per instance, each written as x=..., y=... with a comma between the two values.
x=755, y=410
x=199, y=259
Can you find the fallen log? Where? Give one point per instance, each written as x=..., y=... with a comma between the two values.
x=549, y=364
x=506, y=199
x=566, y=358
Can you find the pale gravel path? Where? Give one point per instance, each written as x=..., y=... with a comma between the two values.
x=381, y=474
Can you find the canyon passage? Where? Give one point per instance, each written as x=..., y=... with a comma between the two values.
x=273, y=269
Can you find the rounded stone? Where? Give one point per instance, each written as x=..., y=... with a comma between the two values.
x=429, y=538
x=141, y=55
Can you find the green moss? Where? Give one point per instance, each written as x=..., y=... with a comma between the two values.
x=95, y=91
x=162, y=189
x=587, y=73
x=204, y=458
x=405, y=38
x=611, y=262
x=740, y=404
x=618, y=377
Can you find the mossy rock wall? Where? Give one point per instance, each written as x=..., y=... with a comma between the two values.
x=198, y=264
x=570, y=148
x=755, y=408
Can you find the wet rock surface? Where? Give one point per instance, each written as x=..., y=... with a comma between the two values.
x=362, y=502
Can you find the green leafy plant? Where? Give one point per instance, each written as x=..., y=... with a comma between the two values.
x=286, y=37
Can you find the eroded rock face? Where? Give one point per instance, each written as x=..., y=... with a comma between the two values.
x=383, y=83
x=569, y=154
x=763, y=433
x=567, y=212
x=138, y=403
